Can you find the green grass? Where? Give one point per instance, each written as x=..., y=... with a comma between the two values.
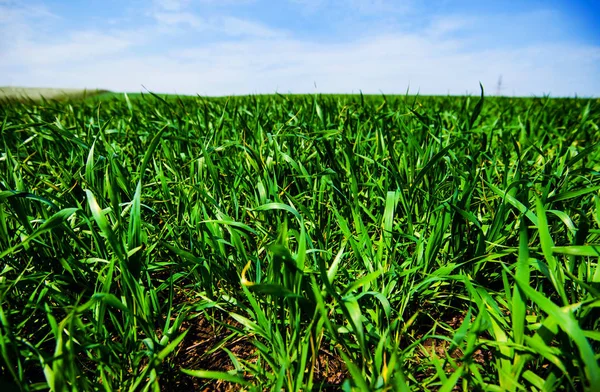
x=300, y=243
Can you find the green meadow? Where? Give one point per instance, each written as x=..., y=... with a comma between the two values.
x=297, y=243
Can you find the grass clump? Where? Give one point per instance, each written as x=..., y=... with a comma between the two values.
x=300, y=243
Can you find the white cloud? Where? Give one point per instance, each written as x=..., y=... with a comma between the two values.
x=389, y=63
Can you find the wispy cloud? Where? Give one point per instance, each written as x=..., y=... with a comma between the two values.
x=242, y=27
x=17, y=11
x=171, y=5
x=83, y=46
x=442, y=26
x=179, y=19
x=180, y=14
x=362, y=6
x=223, y=25
x=19, y=20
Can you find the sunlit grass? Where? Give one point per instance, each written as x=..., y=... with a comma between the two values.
x=365, y=243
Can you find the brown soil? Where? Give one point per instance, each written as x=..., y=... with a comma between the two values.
x=210, y=333
x=202, y=349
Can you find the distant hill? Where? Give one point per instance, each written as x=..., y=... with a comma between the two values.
x=26, y=93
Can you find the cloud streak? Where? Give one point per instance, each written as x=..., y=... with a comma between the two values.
x=223, y=25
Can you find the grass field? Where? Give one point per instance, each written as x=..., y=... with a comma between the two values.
x=300, y=243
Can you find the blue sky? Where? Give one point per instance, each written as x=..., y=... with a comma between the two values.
x=221, y=47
